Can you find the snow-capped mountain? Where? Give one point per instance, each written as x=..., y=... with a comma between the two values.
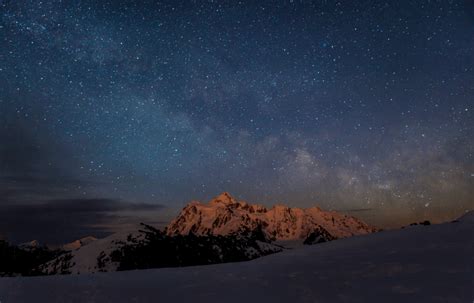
x=224, y=230
x=225, y=215
x=78, y=243
x=86, y=258
x=147, y=247
x=29, y=245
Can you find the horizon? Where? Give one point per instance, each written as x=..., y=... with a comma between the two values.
x=163, y=219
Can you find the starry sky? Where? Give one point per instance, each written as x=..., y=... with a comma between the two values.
x=118, y=111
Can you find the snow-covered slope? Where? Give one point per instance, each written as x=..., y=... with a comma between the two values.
x=78, y=243
x=84, y=259
x=147, y=247
x=418, y=264
x=225, y=215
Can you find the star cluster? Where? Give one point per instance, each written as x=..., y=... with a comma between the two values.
x=351, y=105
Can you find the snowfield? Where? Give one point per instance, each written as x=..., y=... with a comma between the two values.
x=416, y=264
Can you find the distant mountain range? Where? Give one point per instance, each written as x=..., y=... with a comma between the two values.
x=223, y=230
x=67, y=247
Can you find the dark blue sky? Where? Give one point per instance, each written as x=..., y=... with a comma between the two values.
x=350, y=105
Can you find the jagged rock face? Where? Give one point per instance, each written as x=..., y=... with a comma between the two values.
x=319, y=235
x=225, y=215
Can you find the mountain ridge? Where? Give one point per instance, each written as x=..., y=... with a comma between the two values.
x=225, y=215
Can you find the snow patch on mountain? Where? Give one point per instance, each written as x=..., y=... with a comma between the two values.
x=87, y=258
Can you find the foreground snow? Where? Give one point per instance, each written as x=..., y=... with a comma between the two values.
x=416, y=264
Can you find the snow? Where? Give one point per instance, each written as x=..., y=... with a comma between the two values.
x=79, y=243
x=420, y=264
x=29, y=245
x=84, y=258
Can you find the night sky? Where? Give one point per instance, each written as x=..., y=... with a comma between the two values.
x=113, y=112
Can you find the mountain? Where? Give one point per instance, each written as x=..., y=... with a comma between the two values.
x=225, y=215
x=85, y=258
x=147, y=247
x=224, y=230
x=78, y=243
x=34, y=244
x=418, y=264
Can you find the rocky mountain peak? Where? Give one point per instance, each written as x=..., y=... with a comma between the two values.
x=224, y=198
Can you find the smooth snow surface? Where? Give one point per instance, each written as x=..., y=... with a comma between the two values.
x=417, y=264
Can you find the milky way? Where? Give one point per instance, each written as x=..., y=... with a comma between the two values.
x=360, y=106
